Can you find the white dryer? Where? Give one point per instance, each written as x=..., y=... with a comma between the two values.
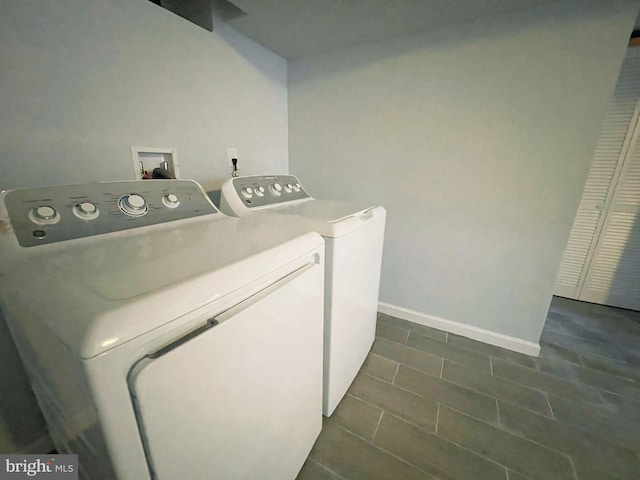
x=354, y=237
x=163, y=339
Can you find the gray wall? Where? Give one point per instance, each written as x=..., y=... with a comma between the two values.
x=84, y=80
x=477, y=140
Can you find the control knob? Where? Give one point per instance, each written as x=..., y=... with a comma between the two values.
x=86, y=211
x=247, y=192
x=296, y=187
x=275, y=188
x=170, y=200
x=288, y=188
x=133, y=205
x=44, y=215
x=259, y=191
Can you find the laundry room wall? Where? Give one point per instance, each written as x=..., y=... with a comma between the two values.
x=84, y=80
x=477, y=140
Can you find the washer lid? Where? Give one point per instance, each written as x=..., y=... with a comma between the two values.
x=330, y=219
x=97, y=293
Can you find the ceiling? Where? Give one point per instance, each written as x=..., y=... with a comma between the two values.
x=294, y=28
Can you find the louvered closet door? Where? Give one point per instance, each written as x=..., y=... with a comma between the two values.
x=613, y=277
x=611, y=150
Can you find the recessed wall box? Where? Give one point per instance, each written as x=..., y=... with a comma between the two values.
x=145, y=159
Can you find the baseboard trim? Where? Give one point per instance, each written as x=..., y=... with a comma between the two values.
x=462, y=329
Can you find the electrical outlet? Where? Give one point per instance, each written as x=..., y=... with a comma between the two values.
x=231, y=153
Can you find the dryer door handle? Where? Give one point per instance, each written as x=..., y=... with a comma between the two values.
x=268, y=290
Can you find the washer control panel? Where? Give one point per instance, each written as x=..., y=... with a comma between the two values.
x=53, y=214
x=259, y=191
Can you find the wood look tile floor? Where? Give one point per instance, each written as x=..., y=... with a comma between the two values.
x=432, y=405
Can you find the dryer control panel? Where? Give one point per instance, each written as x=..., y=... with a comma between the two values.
x=260, y=191
x=53, y=214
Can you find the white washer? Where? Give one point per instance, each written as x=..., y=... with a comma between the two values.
x=354, y=238
x=163, y=339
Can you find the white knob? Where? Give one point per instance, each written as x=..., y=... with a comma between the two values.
x=259, y=191
x=44, y=212
x=296, y=187
x=247, y=192
x=288, y=188
x=133, y=205
x=170, y=200
x=135, y=201
x=44, y=215
x=86, y=211
x=275, y=188
x=87, y=208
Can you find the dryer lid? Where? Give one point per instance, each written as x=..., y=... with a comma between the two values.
x=330, y=219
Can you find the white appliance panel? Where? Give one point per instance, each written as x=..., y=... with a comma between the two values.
x=233, y=389
x=88, y=303
x=354, y=240
x=351, y=293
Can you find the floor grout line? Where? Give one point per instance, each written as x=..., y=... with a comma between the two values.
x=333, y=472
x=405, y=346
x=465, y=387
x=509, y=432
x=394, y=455
x=535, y=367
x=561, y=452
x=441, y=438
x=394, y=386
x=546, y=395
x=373, y=437
x=577, y=384
x=393, y=380
x=573, y=467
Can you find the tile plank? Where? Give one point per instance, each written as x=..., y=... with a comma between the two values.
x=423, y=330
x=449, y=351
x=580, y=445
x=312, y=470
x=613, y=367
x=492, y=350
x=589, y=376
x=496, y=387
x=357, y=416
x=433, y=454
x=354, y=459
x=616, y=423
x=515, y=452
x=545, y=381
x=412, y=357
x=391, y=332
x=407, y=405
x=449, y=394
x=380, y=367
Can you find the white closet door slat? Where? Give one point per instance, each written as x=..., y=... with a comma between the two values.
x=614, y=273
x=607, y=161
